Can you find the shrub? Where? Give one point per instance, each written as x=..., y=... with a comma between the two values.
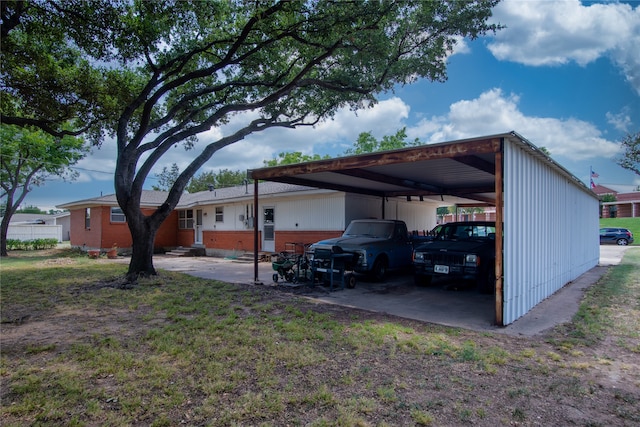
x=30, y=245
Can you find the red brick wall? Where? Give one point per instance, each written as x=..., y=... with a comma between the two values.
x=239, y=240
x=624, y=211
x=80, y=236
x=184, y=237
x=304, y=237
x=242, y=240
x=114, y=232
x=104, y=233
x=167, y=235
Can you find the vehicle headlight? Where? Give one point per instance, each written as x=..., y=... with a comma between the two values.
x=472, y=259
x=418, y=256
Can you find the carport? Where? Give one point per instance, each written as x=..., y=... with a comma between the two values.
x=546, y=218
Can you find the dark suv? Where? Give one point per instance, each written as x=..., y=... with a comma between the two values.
x=460, y=250
x=616, y=236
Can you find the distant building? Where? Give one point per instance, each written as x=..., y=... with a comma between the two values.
x=624, y=205
x=28, y=226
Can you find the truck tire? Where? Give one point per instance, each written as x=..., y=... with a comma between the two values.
x=350, y=280
x=487, y=284
x=379, y=270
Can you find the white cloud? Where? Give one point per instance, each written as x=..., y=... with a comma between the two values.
x=327, y=137
x=493, y=112
x=99, y=165
x=541, y=33
x=620, y=121
x=461, y=46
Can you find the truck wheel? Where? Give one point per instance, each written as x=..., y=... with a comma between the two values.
x=421, y=280
x=350, y=281
x=379, y=269
x=487, y=284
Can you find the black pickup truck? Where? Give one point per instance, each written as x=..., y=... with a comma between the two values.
x=461, y=251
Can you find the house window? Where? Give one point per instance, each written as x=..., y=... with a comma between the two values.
x=185, y=220
x=117, y=215
x=87, y=218
x=219, y=214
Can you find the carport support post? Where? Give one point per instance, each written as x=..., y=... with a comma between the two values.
x=255, y=231
x=499, y=296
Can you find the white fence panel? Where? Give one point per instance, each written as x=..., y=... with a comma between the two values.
x=34, y=231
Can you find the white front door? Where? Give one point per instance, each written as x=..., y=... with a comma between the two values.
x=268, y=230
x=198, y=227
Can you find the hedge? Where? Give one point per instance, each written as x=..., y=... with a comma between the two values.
x=30, y=245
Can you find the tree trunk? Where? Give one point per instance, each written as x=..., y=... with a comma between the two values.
x=144, y=234
x=10, y=208
x=4, y=228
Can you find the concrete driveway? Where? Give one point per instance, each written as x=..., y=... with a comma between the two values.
x=440, y=303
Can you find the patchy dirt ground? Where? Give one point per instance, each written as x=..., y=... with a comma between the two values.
x=459, y=378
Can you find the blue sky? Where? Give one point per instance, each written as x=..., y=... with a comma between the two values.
x=563, y=74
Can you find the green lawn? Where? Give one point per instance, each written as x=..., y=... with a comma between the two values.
x=632, y=224
x=78, y=350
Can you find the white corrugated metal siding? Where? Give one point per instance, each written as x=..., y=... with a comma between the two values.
x=358, y=207
x=320, y=212
x=550, y=231
x=419, y=216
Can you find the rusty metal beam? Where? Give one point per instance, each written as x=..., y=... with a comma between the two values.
x=328, y=186
x=387, y=179
x=413, y=154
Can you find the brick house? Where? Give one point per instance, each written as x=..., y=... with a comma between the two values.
x=221, y=220
x=99, y=223
x=626, y=204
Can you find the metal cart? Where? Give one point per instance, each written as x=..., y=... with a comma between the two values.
x=292, y=265
x=331, y=264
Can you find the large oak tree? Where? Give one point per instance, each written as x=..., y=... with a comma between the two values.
x=157, y=74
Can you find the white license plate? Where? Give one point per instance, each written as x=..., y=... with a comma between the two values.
x=444, y=269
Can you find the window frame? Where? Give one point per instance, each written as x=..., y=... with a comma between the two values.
x=87, y=218
x=113, y=215
x=185, y=219
x=219, y=213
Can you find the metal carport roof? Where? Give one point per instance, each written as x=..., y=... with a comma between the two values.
x=462, y=172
